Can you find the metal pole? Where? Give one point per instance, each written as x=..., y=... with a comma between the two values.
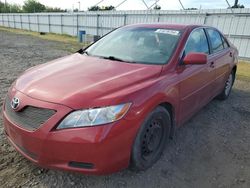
x=229, y=6
x=120, y=4
x=79, y=6
x=154, y=4
x=145, y=3
x=98, y=3
x=229, y=35
x=181, y=5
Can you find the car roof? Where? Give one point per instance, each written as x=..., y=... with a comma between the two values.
x=165, y=25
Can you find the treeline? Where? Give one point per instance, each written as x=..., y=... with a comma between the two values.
x=30, y=6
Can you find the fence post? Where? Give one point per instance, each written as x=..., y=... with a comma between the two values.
x=21, y=21
x=97, y=23
x=77, y=26
x=205, y=19
x=49, y=21
x=125, y=19
x=14, y=20
x=61, y=23
x=37, y=20
x=8, y=20
x=29, y=22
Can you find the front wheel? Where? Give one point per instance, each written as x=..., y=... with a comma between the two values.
x=227, y=88
x=151, y=139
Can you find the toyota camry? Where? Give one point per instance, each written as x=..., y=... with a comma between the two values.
x=116, y=103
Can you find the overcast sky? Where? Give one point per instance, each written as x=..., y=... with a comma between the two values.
x=138, y=4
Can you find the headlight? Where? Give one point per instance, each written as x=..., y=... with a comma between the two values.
x=95, y=116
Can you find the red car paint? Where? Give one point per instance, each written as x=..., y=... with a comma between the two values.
x=81, y=82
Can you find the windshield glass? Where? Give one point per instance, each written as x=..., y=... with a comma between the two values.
x=137, y=45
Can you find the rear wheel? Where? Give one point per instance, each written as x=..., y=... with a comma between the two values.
x=151, y=139
x=228, y=87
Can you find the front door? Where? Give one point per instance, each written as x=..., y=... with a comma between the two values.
x=196, y=81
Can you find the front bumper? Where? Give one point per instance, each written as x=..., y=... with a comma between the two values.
x=91, y=150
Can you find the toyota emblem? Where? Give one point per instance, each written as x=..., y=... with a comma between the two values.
x=15, y=103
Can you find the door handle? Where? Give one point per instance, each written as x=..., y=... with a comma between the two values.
x=212, y=65
x=231, y=54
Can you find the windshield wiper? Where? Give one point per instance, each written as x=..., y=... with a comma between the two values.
x=116, y=59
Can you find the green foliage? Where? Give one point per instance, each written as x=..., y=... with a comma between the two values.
x=33, y=6
x=192, y=8
x=51, y=9
x=29, y=6
x=8, y=8
x=237, y=5
x=157, y=7
x=103, y=8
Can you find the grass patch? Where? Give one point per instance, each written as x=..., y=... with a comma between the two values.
x=243, y=70
x=71, y=43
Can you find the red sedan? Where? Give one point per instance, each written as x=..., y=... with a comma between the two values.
x=116, y=103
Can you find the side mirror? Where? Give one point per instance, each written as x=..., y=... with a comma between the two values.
x=195, y=58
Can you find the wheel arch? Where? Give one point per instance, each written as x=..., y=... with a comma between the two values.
x=170, y=108
x=234, y=69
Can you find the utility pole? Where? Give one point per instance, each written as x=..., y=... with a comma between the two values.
x=5, y=6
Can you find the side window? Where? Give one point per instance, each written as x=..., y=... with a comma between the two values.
x=197, y=42
x=225, y=44
x=215, y=39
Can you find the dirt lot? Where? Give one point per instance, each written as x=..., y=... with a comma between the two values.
x=211, y=150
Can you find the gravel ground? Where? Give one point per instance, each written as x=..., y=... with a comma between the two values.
x=211, y=150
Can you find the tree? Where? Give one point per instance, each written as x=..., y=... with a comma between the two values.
x=108, y=8
x=94, y=8
x=97, y=8
x=51, y=9
x=3, y=7
x=15, y=8
x=29, y=7
x=192, y=8
x=237, y=5
x=157, y=7
x=10, y=8
x=33, y=6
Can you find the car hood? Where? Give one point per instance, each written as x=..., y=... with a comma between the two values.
x=80, y=81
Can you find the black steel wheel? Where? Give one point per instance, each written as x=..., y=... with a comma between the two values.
x=151, y=139
x=228, y=87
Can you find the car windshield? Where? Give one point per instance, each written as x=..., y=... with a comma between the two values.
x=137, y=45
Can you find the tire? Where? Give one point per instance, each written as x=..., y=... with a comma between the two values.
x=151, y=139
x=228, y=87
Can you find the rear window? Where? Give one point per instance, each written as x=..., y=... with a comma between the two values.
x=215, y=39
x=225, y=44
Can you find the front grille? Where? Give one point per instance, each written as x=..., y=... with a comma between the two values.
x=30, y=118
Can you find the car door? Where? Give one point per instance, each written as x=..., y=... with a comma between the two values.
x=196, y=81
x=222, y=56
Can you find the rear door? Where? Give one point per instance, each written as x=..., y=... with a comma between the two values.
x=221, y=56
x=196, y=80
